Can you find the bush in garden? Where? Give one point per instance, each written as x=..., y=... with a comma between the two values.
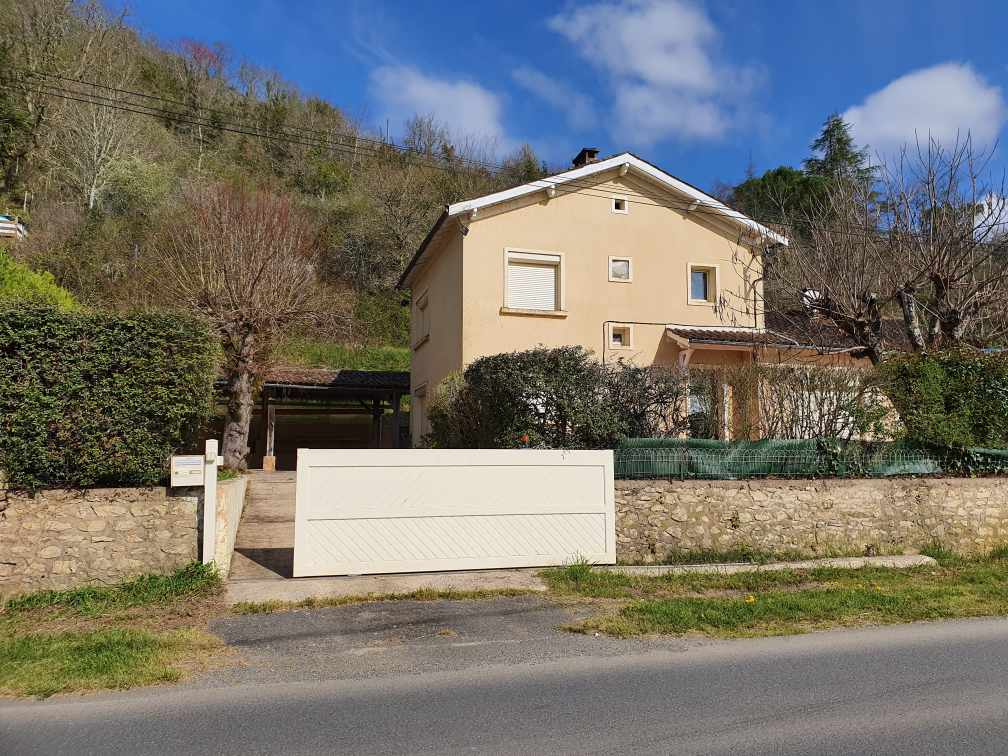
x=92, y=399
x=957, y=399
x=555, y=398
x=562, y=398
x=19, y=284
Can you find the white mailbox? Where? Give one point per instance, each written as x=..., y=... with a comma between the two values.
x=187, y=470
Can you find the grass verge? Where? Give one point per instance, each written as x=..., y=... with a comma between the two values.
x=144, y=631
x=195, y=580
x=43, y=664
x=789, y=601
x=421, y=594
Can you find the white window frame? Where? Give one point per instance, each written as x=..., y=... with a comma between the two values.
x=422, y=335
x=628, y=328
x=629, y=262
x=713, y=287
x=542, y=257
x=626, y=205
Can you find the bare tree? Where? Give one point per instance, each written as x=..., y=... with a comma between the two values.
x=946, y=222
x=246, y=261
x=916, y=258
x=93, y=138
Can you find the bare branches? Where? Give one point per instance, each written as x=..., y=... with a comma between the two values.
x=916, y=258
x=247, y=262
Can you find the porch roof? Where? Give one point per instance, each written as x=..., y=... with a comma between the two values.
x=786, y=331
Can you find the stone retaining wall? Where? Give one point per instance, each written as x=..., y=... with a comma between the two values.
x=814, y=517
x=62, y=538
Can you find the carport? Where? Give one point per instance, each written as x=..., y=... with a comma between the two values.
x=323, y=408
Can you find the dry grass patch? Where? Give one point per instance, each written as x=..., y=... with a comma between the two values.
x=422, y=594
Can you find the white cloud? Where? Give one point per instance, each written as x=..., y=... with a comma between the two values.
x=467, y=109
x=662, y=63
x=577, y=107
x=943, y=101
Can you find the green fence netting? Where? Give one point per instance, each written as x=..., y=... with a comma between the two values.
x=643, y=458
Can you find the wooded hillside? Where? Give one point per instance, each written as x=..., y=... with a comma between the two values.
x=102, y=129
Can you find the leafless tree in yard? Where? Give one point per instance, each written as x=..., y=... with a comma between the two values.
x=245, y=260
x=917, y=258
x=946, y=221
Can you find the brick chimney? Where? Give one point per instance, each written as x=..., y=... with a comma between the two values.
x=586, y=156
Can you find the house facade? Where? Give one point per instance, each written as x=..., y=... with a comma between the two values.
x=615, y=255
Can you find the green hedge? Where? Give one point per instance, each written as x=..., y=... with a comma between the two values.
x=953, y=399
x=96, y=399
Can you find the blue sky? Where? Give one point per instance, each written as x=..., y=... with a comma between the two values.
x=700, y=88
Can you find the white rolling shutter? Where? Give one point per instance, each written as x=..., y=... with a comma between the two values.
x=532, y=285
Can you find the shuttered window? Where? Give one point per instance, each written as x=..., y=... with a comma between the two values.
x=533, y=282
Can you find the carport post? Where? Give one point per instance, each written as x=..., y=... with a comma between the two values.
x=396, y=419
x=210, y=462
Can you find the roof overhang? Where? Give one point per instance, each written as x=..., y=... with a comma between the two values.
x=631, y=163
x=753, y=233
x=698, y=337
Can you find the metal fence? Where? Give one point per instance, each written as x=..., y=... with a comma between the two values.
x=714, y=460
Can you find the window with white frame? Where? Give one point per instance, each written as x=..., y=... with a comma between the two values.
x=620, y=269
x=620, y=205
x=702, y=284
x=421, y=321
x=533, y=281
x=620, y=336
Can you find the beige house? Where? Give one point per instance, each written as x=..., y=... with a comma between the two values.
x=615, y=255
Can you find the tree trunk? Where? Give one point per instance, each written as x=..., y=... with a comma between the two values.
x=908, y=303
x=238, y=416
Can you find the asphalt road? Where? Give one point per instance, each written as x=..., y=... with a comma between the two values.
x=916, y=689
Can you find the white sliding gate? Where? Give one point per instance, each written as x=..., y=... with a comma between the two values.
x=362, y=511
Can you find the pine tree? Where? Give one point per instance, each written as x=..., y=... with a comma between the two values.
x=841, y=157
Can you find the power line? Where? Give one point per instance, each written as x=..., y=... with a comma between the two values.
x=701, y=207
x=325, y=141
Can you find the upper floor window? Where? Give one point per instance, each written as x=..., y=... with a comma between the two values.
x=620, y=205
x=421, y=321
x=533, y=281
x=702, y=284
x=620, y=269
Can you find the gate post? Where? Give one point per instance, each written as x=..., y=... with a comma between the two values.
x=210, y=463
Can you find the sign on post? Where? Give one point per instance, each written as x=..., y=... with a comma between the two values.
x=187, y=470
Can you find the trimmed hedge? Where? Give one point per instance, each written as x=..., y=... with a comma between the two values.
x=97, y=399
x=955, y=399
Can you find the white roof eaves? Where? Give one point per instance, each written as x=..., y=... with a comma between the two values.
x=601, y=166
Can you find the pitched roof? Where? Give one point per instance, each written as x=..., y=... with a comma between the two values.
x=693, y=197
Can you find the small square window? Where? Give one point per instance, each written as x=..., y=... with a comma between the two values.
x=619, y=205
x=620, y=269
x=702, y=284
x=620, y=337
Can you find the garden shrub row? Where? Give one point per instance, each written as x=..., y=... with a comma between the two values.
x=956, y=399
x=99, y=399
